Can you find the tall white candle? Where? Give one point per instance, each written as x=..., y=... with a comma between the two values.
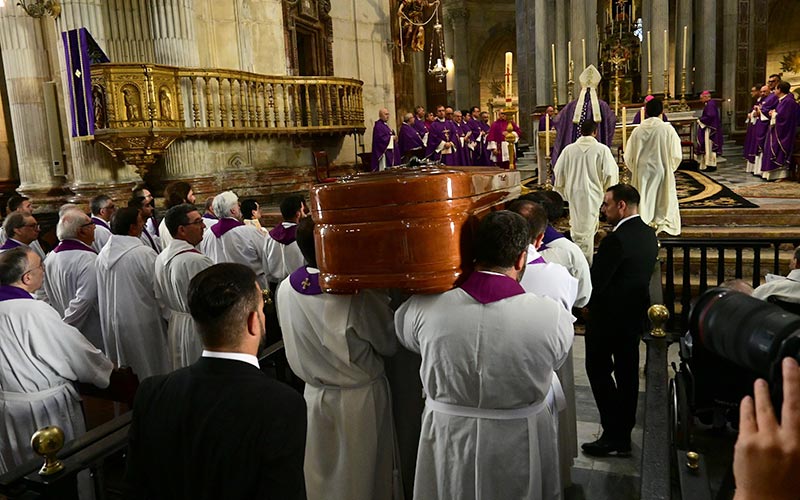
x=583, y=46
x=685, y=33
x=624, y=127
x=649, y=62
x=666, y=49
x=509, y=58
x=546, y=134
x=569, y=52
x=553, y=57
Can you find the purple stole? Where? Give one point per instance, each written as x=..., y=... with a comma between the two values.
x=487, y=288
x=538, y=260
x=550, y=234
x=304, y=282
x=150, y=239
x=8, y=292
x=9, y=244
x=67, y=245
x=190, y=250
x=780, y=139
x=100, y=222
x=225, y=225
x=209, y=216
x=284, y=235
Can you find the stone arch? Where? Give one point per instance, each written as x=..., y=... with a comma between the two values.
x=490, y=62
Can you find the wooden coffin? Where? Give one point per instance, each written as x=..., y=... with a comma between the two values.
x=409, y=229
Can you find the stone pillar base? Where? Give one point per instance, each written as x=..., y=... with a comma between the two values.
x=119, y=192
x=46, y=199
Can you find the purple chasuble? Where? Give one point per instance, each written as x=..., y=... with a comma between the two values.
x=487, y=288
x=381, y=135
x=463, y=151
x=410, y=139
x=9, y=244
x=750, y=149
x=419, y=126
x=285, y=235
x=780, y=138
x=567, y=132
x=481, y=154
x=543, y=123
x=8, y=292
x=711, y=119
x=225, y=225
x=100, y=222
x=767, y=104
x=305, y=282
x=67, y=245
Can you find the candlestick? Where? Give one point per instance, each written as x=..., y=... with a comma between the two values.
x=553, y=57
x=649, y=62
x=583, y=46
x=508, y=73
x=624, y=127
x=546, y=134
x=685, y=31
x=666, y=49
x=570, y=81
x=666, y=87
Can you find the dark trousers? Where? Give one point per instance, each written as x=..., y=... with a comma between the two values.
x=613, y=351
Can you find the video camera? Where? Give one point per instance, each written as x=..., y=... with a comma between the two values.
x=749, y=332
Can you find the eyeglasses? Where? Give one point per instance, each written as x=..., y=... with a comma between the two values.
x=90, y=223
x=194, y=223
x=33, y=225
x=40, y=266
x=109, y=207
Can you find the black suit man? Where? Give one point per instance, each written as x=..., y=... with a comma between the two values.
x=219, y=428
x=617, y=314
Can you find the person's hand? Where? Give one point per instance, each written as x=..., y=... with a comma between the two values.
x=766, y=459
x=772, y=112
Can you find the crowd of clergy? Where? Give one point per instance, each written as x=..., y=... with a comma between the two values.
x=450, y=137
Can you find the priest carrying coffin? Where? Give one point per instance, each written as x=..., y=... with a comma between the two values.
x=586, y=107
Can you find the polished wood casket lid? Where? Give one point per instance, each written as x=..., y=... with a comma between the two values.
x=404, y=228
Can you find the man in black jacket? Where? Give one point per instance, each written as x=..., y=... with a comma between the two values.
x=219, y=428
x=617, y=314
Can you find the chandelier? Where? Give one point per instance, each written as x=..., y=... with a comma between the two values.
x=438, y=70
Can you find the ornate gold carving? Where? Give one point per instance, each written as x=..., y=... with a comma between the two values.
x=39, y=8
x=47, y=442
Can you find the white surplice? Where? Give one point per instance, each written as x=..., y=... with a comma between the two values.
x=652, y=154
x=39, y=294
x=281, y=260
x=583, y=172
x=786, y=288
x=164, y=235
x=568, y=254
x=71, y=285
x=497, y=356
x=101, y=233
x=335, y=343
x=550, y=279
x=242, y=245
x=42, y=356
x=134, y=333
x=174, y=269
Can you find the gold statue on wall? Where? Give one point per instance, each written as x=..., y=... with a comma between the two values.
x=166, y=104
x=131, y=99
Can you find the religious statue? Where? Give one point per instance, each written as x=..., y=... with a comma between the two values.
x=410, y=13
x=166, y=104
x=131, y=107
x=99, y=107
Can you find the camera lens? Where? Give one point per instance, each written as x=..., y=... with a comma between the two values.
x=742, y=329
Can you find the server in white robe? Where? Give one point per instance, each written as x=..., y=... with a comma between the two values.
x=148, y=238
x=23, y=231
x=230, y=240
x=71, y=273
x=489, y=351
x=652, y=154
x=103, y=209
x=175, y=268
x=209, y=218
x=549, y=279
x=176, y=193
x=134, y=332
x=558, y=248
x=44, y=356
x=24, y=206
x=583, y=172
x=335, y=343
x=281, y=253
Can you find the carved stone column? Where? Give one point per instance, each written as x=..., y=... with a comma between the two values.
x=544, y=75
x=25, y=61
x=90, y=168
x=525, y=64
x=706, y=49
x=685, y=18
x=659, y=21
x=561, y=36
x=458, y=18
x=578, y=33
x=175, y=43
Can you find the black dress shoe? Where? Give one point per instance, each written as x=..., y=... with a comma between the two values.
x=604, y=447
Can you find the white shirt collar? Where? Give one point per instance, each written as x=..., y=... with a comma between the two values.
x=623, y=221
x=238, y=356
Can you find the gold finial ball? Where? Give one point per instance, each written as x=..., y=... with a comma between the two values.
x=658, y=314
x=692, y=460
x=47, y=442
